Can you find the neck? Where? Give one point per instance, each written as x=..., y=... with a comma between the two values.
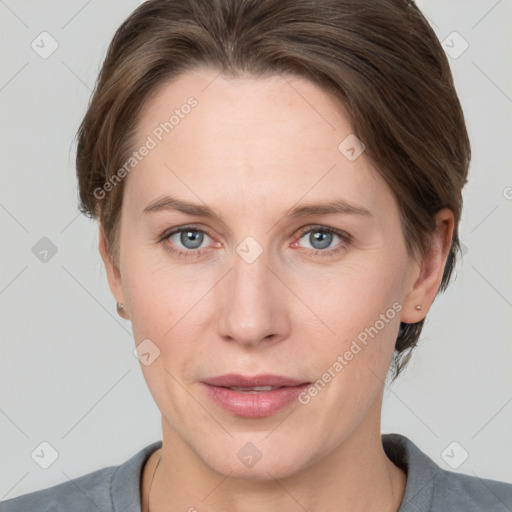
x=356, y=476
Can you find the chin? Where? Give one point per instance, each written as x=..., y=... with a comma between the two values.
x=257, y=457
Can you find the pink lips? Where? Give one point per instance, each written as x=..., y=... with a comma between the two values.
x=255, y=403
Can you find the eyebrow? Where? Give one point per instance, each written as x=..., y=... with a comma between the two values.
x=338, y=206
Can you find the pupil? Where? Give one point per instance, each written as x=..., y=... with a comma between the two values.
x=191, y=236
x=324, y=239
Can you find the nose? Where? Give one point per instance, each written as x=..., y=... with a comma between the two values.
x=252, y=304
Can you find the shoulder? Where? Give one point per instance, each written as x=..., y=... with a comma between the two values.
x=431, y=488
x=108, y=489
x=77, y=495
x=470, y=493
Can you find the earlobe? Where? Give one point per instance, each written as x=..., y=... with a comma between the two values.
x=121, y=311
x=426, y=285
x=113, y=273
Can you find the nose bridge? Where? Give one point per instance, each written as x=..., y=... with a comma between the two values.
x=250, y=304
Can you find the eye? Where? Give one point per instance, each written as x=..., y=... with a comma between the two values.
x=186, y=241
x=190, y=238
x=321, y=239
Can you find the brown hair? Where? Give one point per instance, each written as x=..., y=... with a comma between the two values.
x=379, y=57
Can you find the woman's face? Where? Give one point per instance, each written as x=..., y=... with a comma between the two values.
x=259, y=286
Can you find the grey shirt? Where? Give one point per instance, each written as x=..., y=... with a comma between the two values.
x=429, y=487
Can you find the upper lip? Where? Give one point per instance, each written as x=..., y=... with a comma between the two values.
x=243, y=381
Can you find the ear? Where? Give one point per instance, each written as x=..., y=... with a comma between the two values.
x=113, y=273
x=429, y=272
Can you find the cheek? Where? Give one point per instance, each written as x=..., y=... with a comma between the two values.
x=361, y=307
x=162, y=310
x=171, y=305
x=355, y=297
x=149, y=294
x=161, y=302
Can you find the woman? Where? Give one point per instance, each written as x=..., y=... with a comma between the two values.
x=278, y=189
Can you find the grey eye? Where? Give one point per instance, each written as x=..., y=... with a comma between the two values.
x=188, y=238
x=319, y=239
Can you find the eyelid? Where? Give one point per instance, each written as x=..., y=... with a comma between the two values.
x=318, y=227
x=177, y=229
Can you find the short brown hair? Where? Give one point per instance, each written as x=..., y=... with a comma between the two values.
x=379, y=57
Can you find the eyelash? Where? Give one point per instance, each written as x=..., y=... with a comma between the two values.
x=346, y=239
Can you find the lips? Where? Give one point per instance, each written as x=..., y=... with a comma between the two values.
x=240, y=381
x=253, y=397
x=254, y=389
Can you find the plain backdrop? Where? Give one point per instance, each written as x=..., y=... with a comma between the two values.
x=68, y=376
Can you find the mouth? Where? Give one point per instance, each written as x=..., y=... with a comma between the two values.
x=255, y=389
x=253, y=397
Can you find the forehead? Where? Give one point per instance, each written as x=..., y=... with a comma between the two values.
x=275, y=108
x=247, y=139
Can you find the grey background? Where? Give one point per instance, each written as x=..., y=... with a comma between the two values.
x=68, y=375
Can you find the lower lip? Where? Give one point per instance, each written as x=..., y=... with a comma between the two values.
x=254, y=405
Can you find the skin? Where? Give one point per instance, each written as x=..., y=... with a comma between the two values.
x=252, y=150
